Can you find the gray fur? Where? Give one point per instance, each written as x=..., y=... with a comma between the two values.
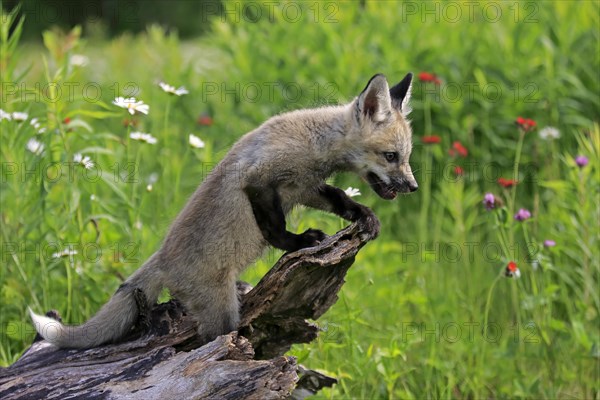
x=216, y=236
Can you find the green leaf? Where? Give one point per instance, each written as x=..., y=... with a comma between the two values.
x=79, y=123
x=109, y=180
x=75, y=198
x=558, y=325
x=94, y=114
x=19, y=330
x=96, y=150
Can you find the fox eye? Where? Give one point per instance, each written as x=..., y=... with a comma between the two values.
x=390, y=156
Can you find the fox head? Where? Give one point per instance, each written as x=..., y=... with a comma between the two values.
x=381, y=138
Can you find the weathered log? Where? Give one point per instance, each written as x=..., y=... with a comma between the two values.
x=163, y=357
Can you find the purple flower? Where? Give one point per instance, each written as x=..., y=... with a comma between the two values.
x=581, y=161
x=549, y=243
x=489, y=200
x=522, y=215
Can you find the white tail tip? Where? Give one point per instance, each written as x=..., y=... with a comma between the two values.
x=50, y=329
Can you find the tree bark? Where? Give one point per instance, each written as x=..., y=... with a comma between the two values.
x=163, y=357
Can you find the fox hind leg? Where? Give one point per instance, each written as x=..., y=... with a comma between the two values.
x=216, y=314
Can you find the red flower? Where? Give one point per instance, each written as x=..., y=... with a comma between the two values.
x=458, y=149
x=433, y=139
x=429, y=77
x=525, y=123
x=512, y=270
x=507, y=183
x=66, y=120
x=458, y=171
x=205, y=120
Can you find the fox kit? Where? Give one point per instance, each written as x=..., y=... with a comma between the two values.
x=240, y=208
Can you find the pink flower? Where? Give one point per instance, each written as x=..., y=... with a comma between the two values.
x=489, y=200
x=581, y=161
x=522, y=215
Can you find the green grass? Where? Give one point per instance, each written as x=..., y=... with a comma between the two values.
x=426, y=311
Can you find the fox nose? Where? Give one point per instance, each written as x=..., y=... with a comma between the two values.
x=413, y=186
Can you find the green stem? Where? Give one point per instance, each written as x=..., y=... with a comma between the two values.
x=178, y=177
x=503, y=242
x=128, y=141
x=513, y=194
x=69, y=287
x=527, y=241
x=166, y=124
x=135, y=185
x=426, y=196
x=581, y=197
x=516, y=168
x=427, y=116
x=348, y=324
x=127, y=147
x=489, y=301
x=515, y=302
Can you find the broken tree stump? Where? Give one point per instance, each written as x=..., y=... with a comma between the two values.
x=166, y=360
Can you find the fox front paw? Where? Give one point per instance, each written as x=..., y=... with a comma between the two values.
x=310, y=238
x=369, y=226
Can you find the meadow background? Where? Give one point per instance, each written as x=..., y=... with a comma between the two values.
x=427, y=311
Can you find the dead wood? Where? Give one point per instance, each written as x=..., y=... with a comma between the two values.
x=163, y=358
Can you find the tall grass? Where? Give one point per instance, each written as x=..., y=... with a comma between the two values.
x=427, y=310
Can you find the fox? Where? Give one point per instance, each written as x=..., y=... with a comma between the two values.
x=240, y=209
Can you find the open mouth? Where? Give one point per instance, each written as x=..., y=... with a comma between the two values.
x=384, y=190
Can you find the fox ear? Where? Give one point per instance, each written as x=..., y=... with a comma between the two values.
x=374, y=102
x=400, y=94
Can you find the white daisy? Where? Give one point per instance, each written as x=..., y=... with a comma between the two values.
x=549, y=132
x=153, y=178
x=352, y=192
x=171, y=89
x=35, y=147
x=132, y=105
x=4, y=115
x=196, y=142
x=79, y=60
x=85, y=161
x=19, y=116
x=64, y=253
x=143, y=137
x=36, y=125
